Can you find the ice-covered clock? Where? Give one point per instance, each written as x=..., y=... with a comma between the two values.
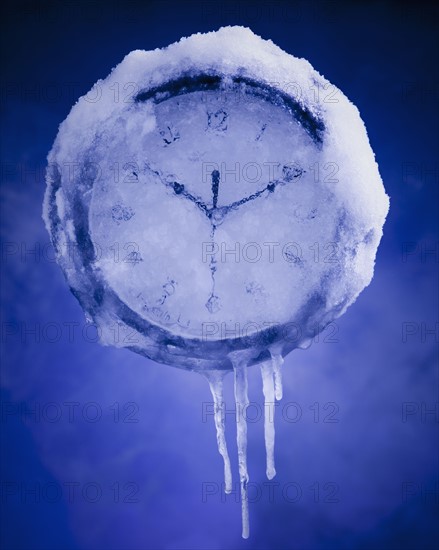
x=215, y=196
x=213, y=204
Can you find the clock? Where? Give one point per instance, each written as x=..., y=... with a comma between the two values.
x=214, y=205
x=211, y=207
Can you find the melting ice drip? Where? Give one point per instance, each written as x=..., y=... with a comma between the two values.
x=272, y=389
x=213, y=149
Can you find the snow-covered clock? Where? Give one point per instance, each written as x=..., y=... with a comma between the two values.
x=222, y=204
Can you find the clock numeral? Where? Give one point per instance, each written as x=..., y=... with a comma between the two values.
x=120, y=213
x=213, y=304
x=168, y=290
x=261, y=132
x=133, y=255
x=170, y=135
x=217, y=121
x=291, y=171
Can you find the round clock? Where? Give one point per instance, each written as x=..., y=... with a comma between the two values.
x=212, y=206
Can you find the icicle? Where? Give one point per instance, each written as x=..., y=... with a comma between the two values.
x=215, y=379
x=267, y=371
x=241, y=399
x=277, y=361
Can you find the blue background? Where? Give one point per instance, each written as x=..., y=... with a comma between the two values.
x=382, y=464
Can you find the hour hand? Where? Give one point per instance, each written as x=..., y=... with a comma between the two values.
x=178, y=188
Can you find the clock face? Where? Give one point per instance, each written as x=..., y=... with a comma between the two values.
x=202, y=209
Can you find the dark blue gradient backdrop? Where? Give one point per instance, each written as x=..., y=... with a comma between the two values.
x=102, y=448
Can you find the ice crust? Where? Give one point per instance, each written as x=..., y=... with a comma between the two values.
x=132, y=211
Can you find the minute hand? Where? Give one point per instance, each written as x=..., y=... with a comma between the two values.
x=270, y=187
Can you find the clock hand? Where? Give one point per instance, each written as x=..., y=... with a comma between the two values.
x=215, y=186
x=289, y=173
x=270, y=187
x=217, y=214
x=179, y=189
